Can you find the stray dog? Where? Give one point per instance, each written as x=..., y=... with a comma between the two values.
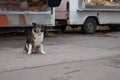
x=34, y=42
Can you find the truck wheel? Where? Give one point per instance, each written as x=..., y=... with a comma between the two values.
x=89, y=26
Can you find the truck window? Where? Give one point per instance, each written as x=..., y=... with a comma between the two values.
x=102, y=4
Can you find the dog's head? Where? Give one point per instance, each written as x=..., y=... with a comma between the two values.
x=38, y=27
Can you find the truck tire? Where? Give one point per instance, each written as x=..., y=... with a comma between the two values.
x=89, y=26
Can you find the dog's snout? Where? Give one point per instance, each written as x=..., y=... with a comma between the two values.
x=39, y=30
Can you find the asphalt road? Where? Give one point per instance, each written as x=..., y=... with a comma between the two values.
x=71, y=56
x=98, y=69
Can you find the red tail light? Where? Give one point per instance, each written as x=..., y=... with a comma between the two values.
x=67, y=6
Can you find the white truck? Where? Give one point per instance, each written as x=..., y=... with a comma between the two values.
x=20, y=14
x=88, y=14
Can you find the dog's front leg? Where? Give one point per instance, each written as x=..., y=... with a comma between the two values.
x=29, y=48
x=41, y=49
x=26, y=46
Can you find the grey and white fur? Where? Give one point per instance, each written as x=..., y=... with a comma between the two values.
x=34, y=42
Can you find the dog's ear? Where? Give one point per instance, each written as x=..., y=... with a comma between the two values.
x=34, y=24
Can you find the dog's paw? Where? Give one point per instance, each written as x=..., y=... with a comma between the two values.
x=29, y=53
x=43, y=52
